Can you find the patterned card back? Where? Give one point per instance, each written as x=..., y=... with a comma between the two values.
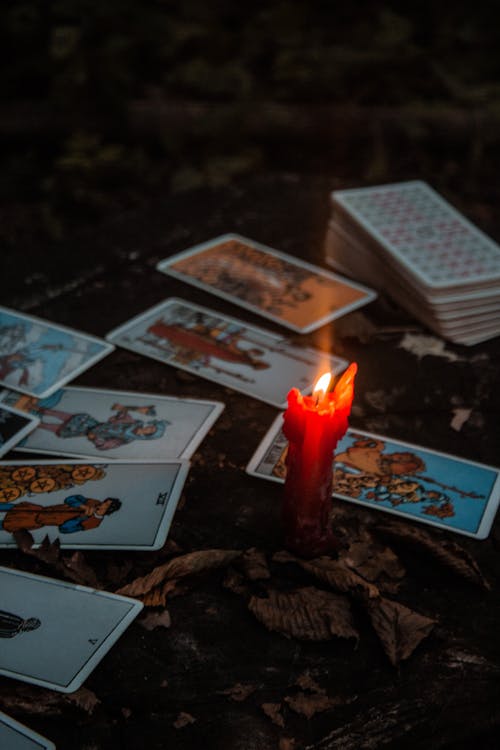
x=424, y=233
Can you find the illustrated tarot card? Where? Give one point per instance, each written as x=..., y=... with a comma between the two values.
x=14, y=426
x=54, y=633
x=90, y=422
x=424, y=234
x=216, y=347
x=289, y=291
x=120, y=505
x=15, y=736
x=414, y=482
x=38, y=357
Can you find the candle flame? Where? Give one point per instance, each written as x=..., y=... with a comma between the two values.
x=322, y=385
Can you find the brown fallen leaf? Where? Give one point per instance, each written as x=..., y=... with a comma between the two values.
x=333, y=572
x=447, y=552
x=286, y=743
x=84, y=699
x=157, y=597
x=307, y=613
x=73, y=567
x=272, y=711
x=306, y=682
x=373, y=561
x=239, y=692
x=308, y=704
x=254, y=565
x=179, y=567
x=156, y=620
x=183, y=720
x=26, y=699
x=48, y=552
x=235, y=582
x=399, y=628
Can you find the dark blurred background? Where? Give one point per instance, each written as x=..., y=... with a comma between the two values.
x=106, y=104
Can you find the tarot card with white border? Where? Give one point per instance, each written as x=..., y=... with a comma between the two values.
x=408, y=480
x=38, y=357
x=224, y=349
x=55, y=633
x=278, y=286
x=15, y=736
x=117, y=505
x=14, y=426
x=88, y=422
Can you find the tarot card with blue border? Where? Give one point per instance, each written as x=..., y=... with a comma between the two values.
x=15, y=736
x=97, y=505
x=408, y=480
x=38, y=357
x=15, y=425
x=87, y=422
x=54, y=633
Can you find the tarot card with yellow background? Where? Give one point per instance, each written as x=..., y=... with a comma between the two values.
x=289, y=291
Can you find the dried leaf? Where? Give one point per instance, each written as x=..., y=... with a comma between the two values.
x=272, y=710
x=26, y=699
x=286, y=743
x=48, y=552
x=178, y=567
x=306, y=682
x=157, y=597
x=308, y=704
x=183, y=720
x=374, y=562
x=84, y=699
x=307, y=613
x=239, y=692
x=76, y=568
x=333, y=572
x=156, y=620
x=254, y=565
x=235, y=582
x=460, y=417
x=73, y=567
x=450, y=554
x=399, y=628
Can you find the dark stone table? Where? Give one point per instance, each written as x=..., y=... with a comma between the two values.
x=203, y=681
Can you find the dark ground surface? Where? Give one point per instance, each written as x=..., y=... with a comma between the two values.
x=131, y=131
x=445, y=694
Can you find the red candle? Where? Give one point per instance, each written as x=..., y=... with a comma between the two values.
x=313, y=425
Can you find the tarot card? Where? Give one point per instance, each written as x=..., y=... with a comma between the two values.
x=55, y=633
x=414, y=482
x=90, y=422
x=38, y=357
x=296, y=294
x=14, y=426
x=423, y=233
x=15, y=736
x=122, y=505
x=216, y=347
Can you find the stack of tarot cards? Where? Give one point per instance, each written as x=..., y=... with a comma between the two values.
x=406, y=239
